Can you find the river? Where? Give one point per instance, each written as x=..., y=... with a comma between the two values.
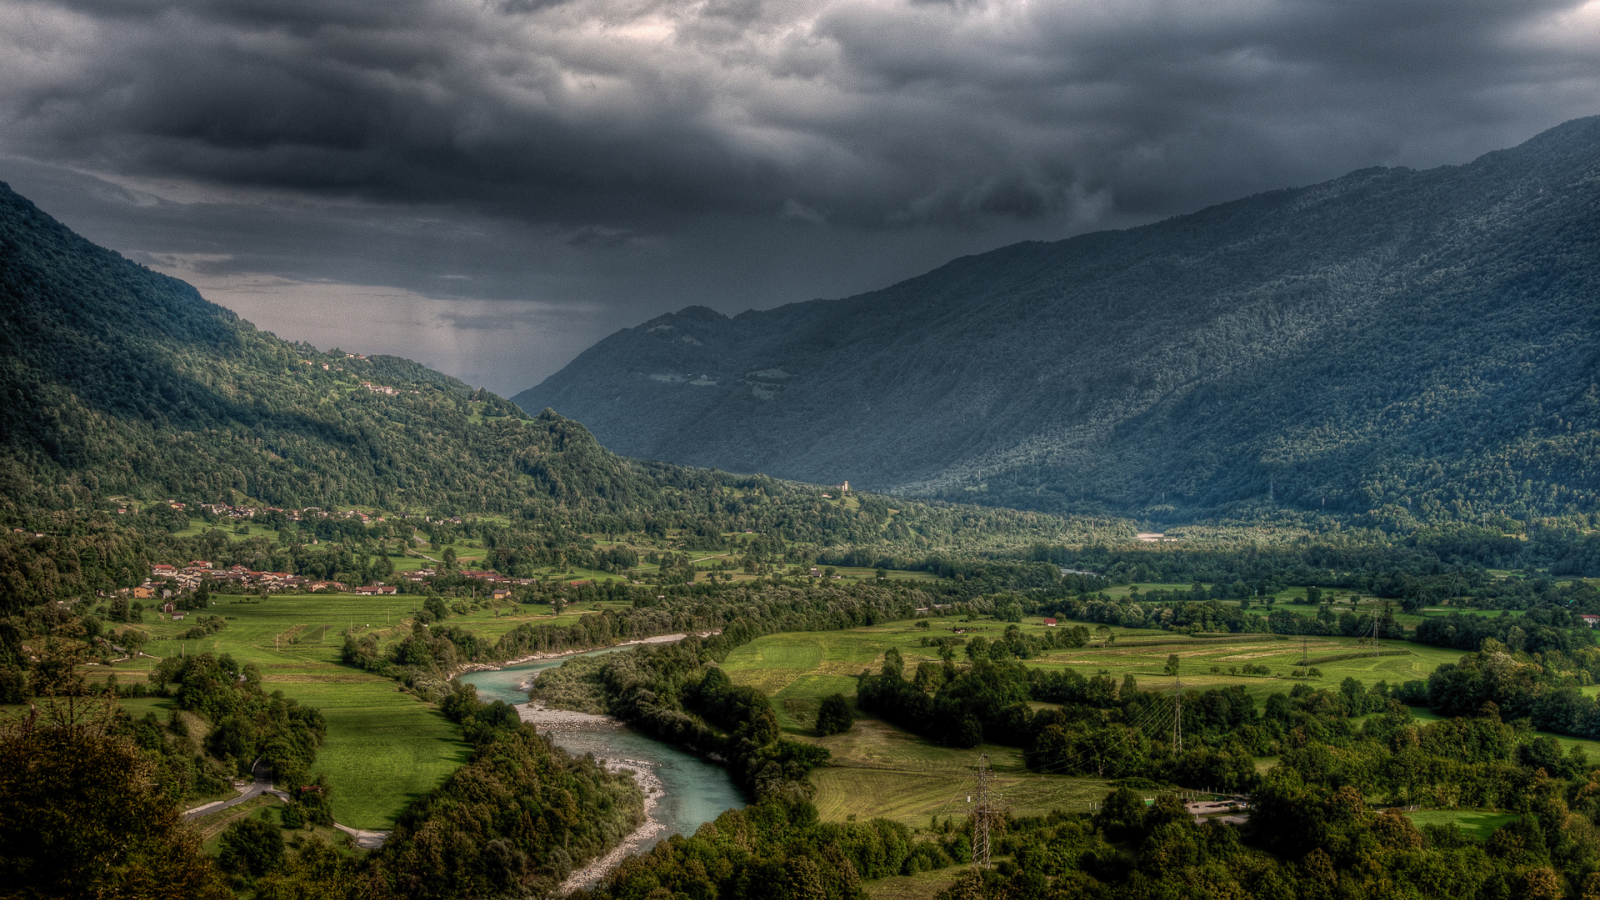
x=695, y=791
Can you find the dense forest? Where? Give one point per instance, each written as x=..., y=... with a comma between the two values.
x=1412, y=343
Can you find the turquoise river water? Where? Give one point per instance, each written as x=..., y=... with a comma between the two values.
x=695, y=791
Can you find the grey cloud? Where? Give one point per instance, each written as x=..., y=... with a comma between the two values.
x=638, y=114
x=601, y=236
x=627, y=157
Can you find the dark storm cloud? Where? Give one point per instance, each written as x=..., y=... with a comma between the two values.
x=622, y=157
x=624, y=113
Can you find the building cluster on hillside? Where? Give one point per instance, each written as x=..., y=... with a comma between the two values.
x=226, y=511
x=167, y=581
x=384, y=389
x=499, y=586
x=308, y=513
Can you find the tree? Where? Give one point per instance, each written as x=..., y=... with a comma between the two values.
x=968, y=732
x=893, y=663
x=1172, y=664
x=251, y=847
x=435, y=607
x=81, y=814
x=835, y=716
x=1122, y=813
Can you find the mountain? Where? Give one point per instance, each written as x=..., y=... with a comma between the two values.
x=1421, y=343
x=116, y=381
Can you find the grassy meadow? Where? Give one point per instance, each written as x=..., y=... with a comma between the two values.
x=798, y=670
x=1478, y=824
x=880, y=770
x=383, y=746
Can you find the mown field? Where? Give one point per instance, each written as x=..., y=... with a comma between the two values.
x=1478, y=824
x=879, y=770
x=876, y=769
x=798, y=670
x=383, y=746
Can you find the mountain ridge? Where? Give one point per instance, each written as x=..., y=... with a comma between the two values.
x=1326, y=328
x=119, y=383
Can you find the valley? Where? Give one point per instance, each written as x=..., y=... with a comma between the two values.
x=1028, y=596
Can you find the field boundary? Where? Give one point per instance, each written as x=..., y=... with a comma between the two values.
x=1367, y=654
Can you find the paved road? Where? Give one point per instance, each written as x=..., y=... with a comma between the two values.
x=262, y=785
x=370, y=840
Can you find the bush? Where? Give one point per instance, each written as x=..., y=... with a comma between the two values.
x=835, y=716
x=251, y=847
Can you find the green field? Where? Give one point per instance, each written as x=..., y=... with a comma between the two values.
x=798, y=670
x=876, y=769
x=921, y=886
x=383, y=747
x=1478, y=824
x=879, y=770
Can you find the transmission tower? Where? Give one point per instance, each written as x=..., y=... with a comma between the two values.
x=1177, y=715
x=981, y=815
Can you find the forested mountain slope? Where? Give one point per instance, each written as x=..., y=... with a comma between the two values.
x=115, y=380
x=1420, y=342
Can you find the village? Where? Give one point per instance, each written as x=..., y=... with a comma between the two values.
x=171, y=583
x=174, y=584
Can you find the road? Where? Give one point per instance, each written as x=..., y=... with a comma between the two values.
x=370, y=840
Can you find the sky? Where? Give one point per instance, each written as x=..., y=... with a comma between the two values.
x=491, y=186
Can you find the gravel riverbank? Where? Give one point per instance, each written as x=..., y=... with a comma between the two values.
x=546, y=719
x=646, y=834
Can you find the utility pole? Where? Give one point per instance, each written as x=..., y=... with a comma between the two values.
x=981, y=815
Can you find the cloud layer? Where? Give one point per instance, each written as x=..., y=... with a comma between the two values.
x=704, y=151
